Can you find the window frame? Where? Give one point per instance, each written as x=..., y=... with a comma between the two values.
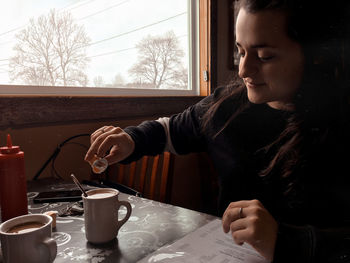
x=19, y=112
x=21, y=108
x=205, y=8
x=193, y=81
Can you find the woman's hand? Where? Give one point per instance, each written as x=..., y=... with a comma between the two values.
x=252, y=224
x=113, y=139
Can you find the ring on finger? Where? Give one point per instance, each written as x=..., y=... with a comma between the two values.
x=240, y=213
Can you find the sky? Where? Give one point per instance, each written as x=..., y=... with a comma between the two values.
x=103, y=21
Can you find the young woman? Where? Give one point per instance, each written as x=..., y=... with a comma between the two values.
x=279, y=138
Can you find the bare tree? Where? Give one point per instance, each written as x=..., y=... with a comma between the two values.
x=98, y=81
x=51, y=51
x=159, y=61
x=181, y=78
x=118, y=80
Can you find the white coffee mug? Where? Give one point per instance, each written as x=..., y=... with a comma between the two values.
x=28, y=239
x=101, y=208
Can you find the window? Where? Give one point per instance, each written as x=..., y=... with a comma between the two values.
x=104, y=47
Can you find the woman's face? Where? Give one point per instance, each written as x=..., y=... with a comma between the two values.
x=271, y=63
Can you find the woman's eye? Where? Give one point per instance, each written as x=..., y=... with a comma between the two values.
x=266, y=58
x=241, y=54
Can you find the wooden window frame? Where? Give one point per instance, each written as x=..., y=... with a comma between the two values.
x=205, y=47
x=23, y=110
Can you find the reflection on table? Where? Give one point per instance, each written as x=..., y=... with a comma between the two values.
x=151, y=225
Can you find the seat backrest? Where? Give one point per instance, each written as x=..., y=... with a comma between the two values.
x=151, y=176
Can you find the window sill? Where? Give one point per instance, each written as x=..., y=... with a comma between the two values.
x=19, y=111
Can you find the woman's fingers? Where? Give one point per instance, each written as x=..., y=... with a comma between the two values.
x=241, y=236
x=233, y=212
x=96, y=142
x=236, y=228
x=99, y=132
x=106, y=140
x=123, y=146
x=230, y=216
x=250, y=222
x=112, y=139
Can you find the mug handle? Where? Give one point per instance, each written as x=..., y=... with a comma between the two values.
x=128, y=212
x=51, y=245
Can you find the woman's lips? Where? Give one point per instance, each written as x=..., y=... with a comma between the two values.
x=253, y=85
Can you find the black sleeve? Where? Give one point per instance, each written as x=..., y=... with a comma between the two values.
x=328, y=240
x=149, y=138
x=184, y=128
x=311, y=244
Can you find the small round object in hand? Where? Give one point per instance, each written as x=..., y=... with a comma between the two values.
x=99, y=165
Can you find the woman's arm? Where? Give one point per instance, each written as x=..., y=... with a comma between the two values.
x=180, y=134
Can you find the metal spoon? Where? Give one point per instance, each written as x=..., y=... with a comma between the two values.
x=78, y=184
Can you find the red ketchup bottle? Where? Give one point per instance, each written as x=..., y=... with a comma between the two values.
x=13, y=184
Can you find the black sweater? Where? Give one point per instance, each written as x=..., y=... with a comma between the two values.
x=314, y=217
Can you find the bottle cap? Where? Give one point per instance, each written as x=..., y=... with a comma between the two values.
x=9, y=149
x=99, y=165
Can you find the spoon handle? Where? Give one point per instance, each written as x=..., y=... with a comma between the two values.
x=78, y=184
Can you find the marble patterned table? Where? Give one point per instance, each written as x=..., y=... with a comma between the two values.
x=151, y=225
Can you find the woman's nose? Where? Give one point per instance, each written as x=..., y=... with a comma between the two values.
x=247, y=67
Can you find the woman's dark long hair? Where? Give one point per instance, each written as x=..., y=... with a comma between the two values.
x=322, y=99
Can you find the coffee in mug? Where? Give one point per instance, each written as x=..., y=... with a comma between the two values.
x=25, y=228
x=28, y=239
x=101, y=208
x=100, y=195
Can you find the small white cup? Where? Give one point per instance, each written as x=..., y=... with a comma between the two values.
x=31, y=243
x=101, y=208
